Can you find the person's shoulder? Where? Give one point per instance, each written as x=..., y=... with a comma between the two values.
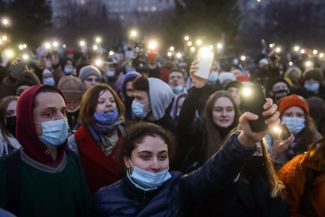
x=292, y=169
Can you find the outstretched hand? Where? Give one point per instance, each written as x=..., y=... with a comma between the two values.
x=197, y=81
x=247, y=137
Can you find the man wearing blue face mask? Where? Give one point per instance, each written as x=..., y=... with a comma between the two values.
x=152, y=102
x=177, y=82
x=50, y=179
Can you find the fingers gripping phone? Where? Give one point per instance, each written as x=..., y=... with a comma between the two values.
x=253, y=99
x=285, y=133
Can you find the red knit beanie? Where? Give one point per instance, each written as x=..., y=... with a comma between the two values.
x=292, y=100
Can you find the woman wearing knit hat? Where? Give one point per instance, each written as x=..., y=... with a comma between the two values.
x=294, y=112
x=90, y=76
x=96, y=141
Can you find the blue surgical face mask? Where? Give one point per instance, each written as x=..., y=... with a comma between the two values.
x=110, y=73
x=178, y=89
x=68, y=70
x=106, y=118
x=146, y=180
x=294, y=124
x=138, y=110
x=313, y=87
x=49, y=81
x=213, y=76
x=54, y=133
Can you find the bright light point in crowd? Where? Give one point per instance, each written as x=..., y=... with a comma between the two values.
x=290, y=63
x=111, y=53
x=315, y=52
x=98, y=39
x=302, y=51
x=82, y=43
x=133, y=33
x=193, y=49
x=169, y=54
x=152, y=45
x=64, y=46
x=278, y=50
x=171, y=48
x=296, y=48
x=186, y=37
x=25, y=57
x=276, y=129
x=243, y=58
x=271, y=45
x=98, y=62
x=189, y=43
x=179, y=55
x=4, y=38
x=5, y=21
x=199, y=42
x=205, y=52
x=321, y=55
x=9, y=53
x=95, y=47
x=247, y=91
x=309, y=64
x=258, y=1
x=55, y=44
x=47, y=45
x=219, y=46
x=210, y=47
x=21, y=47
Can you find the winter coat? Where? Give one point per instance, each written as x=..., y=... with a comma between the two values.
x=179, y=192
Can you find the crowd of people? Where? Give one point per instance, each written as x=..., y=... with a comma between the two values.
x=140, y=134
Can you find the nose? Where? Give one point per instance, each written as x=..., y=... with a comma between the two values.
x=155, y=166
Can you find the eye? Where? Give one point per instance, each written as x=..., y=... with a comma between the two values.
x=230, y=109
x=145, y=157
x=50, y=114
x=163, y=157
x=218, y=109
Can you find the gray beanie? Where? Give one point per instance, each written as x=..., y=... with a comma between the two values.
x=86, y=71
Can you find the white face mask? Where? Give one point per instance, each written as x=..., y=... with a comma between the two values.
x=294, y=124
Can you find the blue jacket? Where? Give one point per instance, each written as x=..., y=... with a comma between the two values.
x=178, y=193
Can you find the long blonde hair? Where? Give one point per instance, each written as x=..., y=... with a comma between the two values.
x=276, y=185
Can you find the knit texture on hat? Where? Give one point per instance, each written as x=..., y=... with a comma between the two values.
x=89, y=70
x=292, y=100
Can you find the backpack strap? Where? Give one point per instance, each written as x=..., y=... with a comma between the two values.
x=305, y=202
x=13, y=182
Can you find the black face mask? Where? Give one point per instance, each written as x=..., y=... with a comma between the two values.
x=280, y=93
x=11, y=125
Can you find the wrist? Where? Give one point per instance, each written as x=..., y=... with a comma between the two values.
x=245, y=140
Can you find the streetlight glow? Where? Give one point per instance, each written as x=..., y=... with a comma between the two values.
x=186, y=37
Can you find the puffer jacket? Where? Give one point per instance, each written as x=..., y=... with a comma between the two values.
x=178, y=193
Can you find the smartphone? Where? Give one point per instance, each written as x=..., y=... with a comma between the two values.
x=205, y=58
x=285, y=133
x=252, y=100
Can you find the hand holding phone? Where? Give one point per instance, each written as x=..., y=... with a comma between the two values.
x=205, y=58
x=253, y=99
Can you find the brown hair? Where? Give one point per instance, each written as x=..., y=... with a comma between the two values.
x=138, y=131
x=3, y=108
x=276, y=185
x=89, y=102
x=214, y=140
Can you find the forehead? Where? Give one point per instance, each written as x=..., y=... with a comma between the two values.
x=141, y=93
x=12, y=105
x=48, y=99
x=278, y=84
x=151, y=144
x=175, y=74
x=105, y=94
x=223, y=101
x=294, y=109
x=92, y=77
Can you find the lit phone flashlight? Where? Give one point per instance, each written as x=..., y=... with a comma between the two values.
x=253, y=99
x=205, y=58
x=282, y=130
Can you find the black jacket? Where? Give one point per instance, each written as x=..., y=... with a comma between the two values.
x=178, y=193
